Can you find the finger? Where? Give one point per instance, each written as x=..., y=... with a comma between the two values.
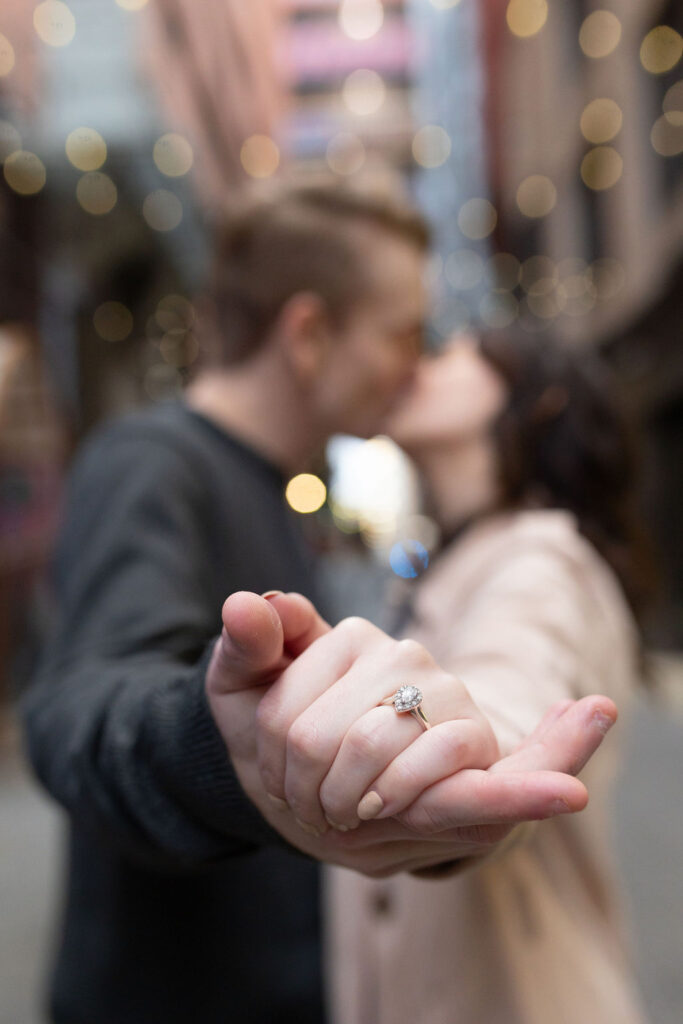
x=444, y=749
x=369, y=745
x=565, y=742
x=316, y=737
x=250, y=649
x=474, y=797
x=322, y=664
x=301, y=622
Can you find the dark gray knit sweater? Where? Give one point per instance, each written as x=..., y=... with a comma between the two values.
x=181, y=904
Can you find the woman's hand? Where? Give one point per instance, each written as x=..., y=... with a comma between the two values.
x=466, y=814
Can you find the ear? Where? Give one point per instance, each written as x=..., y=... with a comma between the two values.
x=304, y=331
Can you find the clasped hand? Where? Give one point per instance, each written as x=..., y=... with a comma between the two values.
x=298, y=705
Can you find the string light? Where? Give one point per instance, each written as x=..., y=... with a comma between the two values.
x=661, y=50
x=345, y=153
x=260, y=156
x=86, y=149
x=431, y=146
x=601, y=168
x=162, y=210
x=173, y=155
x=54, y=23
x=477, y=218
x=601, y=120
x=364, y=91
x=7, y=57
x=599, y=34
x=536, y=196
x=361, y=19
x=306, y=493
x=24, y=172
x=113, y=321
x=526, y=18
x=96, y=193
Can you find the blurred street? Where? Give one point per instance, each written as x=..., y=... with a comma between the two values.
x=649, y=813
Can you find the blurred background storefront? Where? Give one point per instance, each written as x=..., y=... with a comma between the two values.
x=544, y=140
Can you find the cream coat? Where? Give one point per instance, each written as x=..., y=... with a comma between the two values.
x=524, y=610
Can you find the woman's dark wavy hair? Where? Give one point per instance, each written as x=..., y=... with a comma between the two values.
x=565, y=442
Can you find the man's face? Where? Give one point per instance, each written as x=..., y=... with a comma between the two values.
x=372, y=359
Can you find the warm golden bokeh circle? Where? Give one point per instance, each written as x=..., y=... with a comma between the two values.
x=24, y=172
x=600, y=34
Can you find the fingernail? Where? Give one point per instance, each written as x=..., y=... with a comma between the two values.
x=370, y=806
x=560, y=807
x=337, y=825
x=309, y=829
x=603, y=722
x=272, y=593
x=281, y=805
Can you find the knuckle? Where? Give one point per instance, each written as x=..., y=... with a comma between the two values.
x=354, y=627
x=422, y=818
x=364, y=740
x=303, y=740
x=413, y=653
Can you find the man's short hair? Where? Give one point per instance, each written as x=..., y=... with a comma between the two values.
x=296, y=237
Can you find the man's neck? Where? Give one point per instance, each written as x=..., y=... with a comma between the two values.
x=258, y=407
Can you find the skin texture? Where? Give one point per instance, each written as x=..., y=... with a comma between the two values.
x=260, y=654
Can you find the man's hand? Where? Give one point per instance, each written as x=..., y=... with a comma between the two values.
x=277, y=658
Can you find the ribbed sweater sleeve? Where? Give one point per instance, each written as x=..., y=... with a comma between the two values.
x=118, y=727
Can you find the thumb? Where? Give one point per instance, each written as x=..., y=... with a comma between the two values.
x=250, y=649
x=301, y=622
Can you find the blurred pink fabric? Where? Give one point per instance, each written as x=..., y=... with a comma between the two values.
x=526, y=613
x=214, y=68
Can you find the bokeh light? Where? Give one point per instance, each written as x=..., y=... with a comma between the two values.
x=173, y=155
x=54, y=23
x=162, y=210
x=538, y=275
x=86, y=149
x=260, y=156
x=132, y=5
x=113, y=321
x=306, y=493
x=10, y=139
x=464, y=269
x=174, y=312
x=661, y=50
x=444, y=5
x=364, y=91
x=345, y=153
x=601, y=168
x=431, y=146
x=536, y=196
x=408, y=559
x=179, y=348
x=361, y=19
x=477, y=218
x=24, y=172
x=601, y=120
x=600, y=34
x=526, y=17
x=7, y=57
x=667, y=138
x=673, y=104
x=96, y=193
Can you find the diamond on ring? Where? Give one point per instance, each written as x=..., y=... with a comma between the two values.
x=407, y=697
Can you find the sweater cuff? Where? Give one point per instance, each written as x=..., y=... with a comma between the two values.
x=197, y=761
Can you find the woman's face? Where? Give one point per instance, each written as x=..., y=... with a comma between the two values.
x=455, y=399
